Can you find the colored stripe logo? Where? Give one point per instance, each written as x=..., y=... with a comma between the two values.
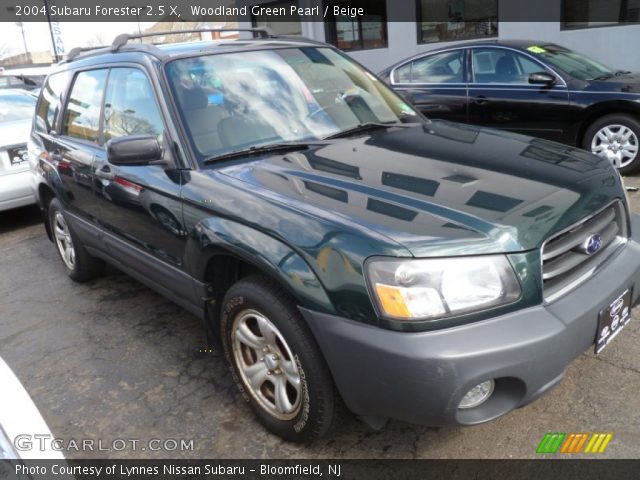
x=574, y=443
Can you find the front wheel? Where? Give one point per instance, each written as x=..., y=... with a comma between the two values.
x=615, y=137
x=275, y=362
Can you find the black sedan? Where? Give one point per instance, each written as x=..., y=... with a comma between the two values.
x=535, y=88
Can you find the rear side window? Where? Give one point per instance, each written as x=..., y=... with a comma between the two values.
x=82, y=117
x=49, y=102
x=445, y=67
x=130, y=107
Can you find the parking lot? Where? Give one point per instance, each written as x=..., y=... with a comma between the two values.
x=111, y=359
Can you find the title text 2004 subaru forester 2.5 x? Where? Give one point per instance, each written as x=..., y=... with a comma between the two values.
x=345, y=249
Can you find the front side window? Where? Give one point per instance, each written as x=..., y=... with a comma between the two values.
x=465, y=19
x=356, y=33
x=445, y=67
x=130, y=107
x=82, y=117
x=232, y=101
x=494, y=65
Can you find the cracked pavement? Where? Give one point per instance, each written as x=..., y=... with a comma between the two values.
x=111, y=359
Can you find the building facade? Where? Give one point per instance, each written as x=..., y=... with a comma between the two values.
x=605, y=30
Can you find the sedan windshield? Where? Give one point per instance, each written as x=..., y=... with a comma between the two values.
x=572, y=63
x=16, y=107
x=233, y=101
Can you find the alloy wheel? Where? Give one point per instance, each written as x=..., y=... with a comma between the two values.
x=64, y=241
x=266, y=365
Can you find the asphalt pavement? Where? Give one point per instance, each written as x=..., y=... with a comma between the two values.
x=113, y=365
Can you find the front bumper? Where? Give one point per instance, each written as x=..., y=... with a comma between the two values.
x=16, y=190
x=421, y=377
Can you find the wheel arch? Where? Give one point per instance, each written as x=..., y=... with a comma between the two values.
x=601, y=109
x=221, y=251
x=45, y=194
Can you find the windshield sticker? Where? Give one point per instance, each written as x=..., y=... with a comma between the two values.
x=536, y=49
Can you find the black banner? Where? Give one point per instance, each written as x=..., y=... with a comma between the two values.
x=451, y=11
x=320, y=469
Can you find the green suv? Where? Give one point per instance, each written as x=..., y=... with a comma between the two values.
x=345, y=250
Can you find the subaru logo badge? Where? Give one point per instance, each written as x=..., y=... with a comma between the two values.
x=592, y=244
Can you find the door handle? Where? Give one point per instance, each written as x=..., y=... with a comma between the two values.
x=480, y=100
x=105, y=172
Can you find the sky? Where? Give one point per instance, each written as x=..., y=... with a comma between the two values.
x=74, y=34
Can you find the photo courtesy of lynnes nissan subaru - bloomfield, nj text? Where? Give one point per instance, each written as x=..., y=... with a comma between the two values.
x=346, y=250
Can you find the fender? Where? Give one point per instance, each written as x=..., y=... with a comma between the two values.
x=217, y=236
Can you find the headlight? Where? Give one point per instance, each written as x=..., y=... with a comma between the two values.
x=424, y=289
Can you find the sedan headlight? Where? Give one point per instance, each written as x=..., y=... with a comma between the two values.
x=425, y=289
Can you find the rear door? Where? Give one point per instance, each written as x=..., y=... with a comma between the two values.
x=435, y=84
x=500, y=95
x=74, y=149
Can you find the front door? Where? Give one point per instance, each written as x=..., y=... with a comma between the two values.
x=140, y=207
x=500, y=95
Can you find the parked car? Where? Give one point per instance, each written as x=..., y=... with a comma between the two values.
x=22, y=82
x=342, y=247
x=17, y=110
x=534, y=88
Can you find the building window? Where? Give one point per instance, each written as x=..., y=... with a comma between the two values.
x=599, y=13
x=357, y=33
x=285, y=25
x=465, y=19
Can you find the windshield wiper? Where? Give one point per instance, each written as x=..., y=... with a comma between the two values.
x=363, y=127
x=622, y=72
x=259, y=149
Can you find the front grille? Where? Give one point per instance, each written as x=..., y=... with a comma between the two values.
x=565, y=258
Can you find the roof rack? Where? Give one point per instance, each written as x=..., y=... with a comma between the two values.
x=122, y=39
x=74, y=52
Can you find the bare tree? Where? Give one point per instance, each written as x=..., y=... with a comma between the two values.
x=97, y=40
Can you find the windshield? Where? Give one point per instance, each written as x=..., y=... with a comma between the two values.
x=570, y=62
x=232, y=101
x=16, y=107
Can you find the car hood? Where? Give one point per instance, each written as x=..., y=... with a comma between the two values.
x=624, y=82
x=14, y=133
x=439, y=188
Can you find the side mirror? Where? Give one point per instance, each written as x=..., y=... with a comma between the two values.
x=542, y=78
x=134, y=150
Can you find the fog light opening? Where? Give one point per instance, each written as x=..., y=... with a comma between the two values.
x=477, y=395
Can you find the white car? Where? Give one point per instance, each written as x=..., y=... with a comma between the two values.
x=16, y=114
x=21, y=423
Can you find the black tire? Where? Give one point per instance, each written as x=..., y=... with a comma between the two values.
x=84, y=267
x=629, y=121
x=320, y=406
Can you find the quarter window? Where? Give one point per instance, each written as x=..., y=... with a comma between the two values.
x=49, y=103
x=440, y=68
x=82, y=117
x=130, y=107
x=492, y=65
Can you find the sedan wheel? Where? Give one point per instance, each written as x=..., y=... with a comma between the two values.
x=615, y=137
x=616, y=143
